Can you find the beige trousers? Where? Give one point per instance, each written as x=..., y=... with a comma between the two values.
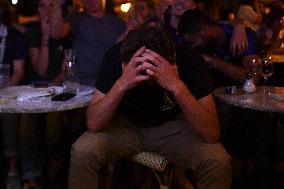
x=174, y=139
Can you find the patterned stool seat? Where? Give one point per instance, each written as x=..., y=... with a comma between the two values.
x=159, y=166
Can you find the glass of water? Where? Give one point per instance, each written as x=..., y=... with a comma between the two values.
x=266, y=71
x=71, y=81
x=4, y=75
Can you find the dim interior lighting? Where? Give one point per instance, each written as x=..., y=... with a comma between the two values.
x=14, y=2
x=125, y=7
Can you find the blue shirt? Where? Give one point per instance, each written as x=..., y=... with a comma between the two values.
x=219, y=78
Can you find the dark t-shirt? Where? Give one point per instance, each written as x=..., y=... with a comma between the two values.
x=16, y=47
x=147, y=105
x=92, y=37
x=56, y=53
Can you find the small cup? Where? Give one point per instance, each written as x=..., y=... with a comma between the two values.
x=4, y=75
x=231, y=90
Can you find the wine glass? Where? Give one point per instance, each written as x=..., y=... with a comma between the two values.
x=266, y=71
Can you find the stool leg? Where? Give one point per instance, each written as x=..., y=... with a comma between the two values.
x=110, y=173
x=165, y=178
x=182, y=180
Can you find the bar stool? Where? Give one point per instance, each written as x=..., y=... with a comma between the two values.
x=160, y=166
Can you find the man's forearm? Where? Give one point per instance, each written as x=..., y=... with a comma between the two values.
x=203, y=118
x=56, y=20
x=235, y=72
x=101, y=111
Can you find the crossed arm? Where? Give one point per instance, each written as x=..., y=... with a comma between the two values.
x=201, y=114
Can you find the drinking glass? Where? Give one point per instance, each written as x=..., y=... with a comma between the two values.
x=266, y=71
x=71, y=81
x=4, y=75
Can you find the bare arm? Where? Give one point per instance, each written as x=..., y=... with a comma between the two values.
x=201, y=114
x=19, y=73
x=239, y=41
x=39, y=59
x=40, y=56
x=103, y=106
x=59, y=27
x=235, y=72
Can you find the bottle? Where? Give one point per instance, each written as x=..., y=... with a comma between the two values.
x=249, y=86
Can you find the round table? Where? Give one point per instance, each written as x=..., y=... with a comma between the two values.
x=10, y=104
x=273, y=102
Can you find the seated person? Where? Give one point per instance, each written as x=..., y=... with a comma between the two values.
x=213, y=42
x=240, y=127
x=151, y=101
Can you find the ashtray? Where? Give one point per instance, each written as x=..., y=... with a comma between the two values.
x=233, y=90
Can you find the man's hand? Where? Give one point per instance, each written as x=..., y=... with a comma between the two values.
x=132, y=72
x=239, y=42
x=161, y=9
x=164, y=73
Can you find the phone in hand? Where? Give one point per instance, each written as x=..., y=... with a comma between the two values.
x=63, y=96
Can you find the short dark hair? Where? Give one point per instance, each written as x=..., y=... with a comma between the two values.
x=193, y=22
x=152, y=37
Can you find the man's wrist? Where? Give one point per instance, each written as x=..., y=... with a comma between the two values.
x=120, y=86
x=179, y=89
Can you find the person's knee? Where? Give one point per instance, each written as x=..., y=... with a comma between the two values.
x=93, y=147
x=218, y=159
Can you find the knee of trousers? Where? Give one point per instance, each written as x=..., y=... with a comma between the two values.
x=217, y=159
x=90, y=149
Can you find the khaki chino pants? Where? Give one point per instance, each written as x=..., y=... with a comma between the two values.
x=174, y=139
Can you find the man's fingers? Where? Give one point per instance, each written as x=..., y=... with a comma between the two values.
x=135, y=61
x=139, y=51
x=153, y=57
x=150, y=66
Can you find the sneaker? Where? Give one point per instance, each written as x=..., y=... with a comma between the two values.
x=13, y=181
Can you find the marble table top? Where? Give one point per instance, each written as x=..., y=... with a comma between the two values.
x=273, y=101
x=17, y=100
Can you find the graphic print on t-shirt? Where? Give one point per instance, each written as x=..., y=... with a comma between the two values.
x=167, y=102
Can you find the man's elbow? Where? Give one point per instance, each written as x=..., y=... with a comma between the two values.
x=92, y=127
x=213, y=136
x=212, y=139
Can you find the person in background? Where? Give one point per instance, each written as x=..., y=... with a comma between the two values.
x=228, y=15
x=13, y=51
x=250, y=12
x=42, y=134
x=93, y=32
x=151, y=99
x=269, y=32
x=143, y=11
x=169, y=13
x=212, y=40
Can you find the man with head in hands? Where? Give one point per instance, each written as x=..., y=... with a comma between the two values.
x=150, y=98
